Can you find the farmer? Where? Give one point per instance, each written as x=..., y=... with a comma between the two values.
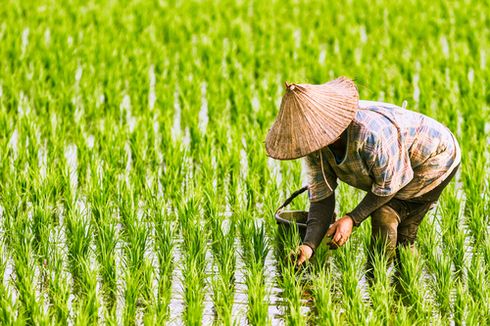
x=402, y=159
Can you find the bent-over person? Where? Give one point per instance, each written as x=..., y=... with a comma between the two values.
x=402, y=159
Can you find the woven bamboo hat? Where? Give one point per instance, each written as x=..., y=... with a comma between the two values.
x=311, y=117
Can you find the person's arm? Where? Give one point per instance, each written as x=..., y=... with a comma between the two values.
x=368, y=204
x=342, y=228
x=320, y=216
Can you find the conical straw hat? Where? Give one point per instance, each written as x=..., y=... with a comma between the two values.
x=311, y=117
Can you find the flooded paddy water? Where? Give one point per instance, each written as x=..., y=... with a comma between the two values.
x=283, y=291
x=135, y=187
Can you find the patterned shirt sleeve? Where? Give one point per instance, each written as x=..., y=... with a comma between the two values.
x=318, y=189
x=390, y=162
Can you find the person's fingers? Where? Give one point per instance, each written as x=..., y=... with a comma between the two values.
x=301, y=259
x=343, y=241
x=337, y=237
x=331, y=229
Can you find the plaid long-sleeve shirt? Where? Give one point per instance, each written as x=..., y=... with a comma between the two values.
x=390, y=150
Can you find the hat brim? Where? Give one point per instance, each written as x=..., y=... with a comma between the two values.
x=311, y=117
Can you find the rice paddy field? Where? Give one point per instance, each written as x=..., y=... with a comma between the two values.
x=134, y=183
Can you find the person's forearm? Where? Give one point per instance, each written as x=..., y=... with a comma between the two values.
x=368, y=204
x=320, y=216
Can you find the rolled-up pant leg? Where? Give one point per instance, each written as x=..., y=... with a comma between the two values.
x=384, y=224
x=384, y=236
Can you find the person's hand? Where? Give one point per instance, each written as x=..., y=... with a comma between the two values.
x=303, y=253
x=340, y=231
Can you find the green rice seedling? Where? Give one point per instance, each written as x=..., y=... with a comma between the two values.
x=137, y=240
x=138, y=277
x=474, y=188
x=30, y=308
x=210, y=204
x=42, y=221
x=255, y=249
x=134, y=261
x=259, y=244
x=475, y=205
x=233, y=192
x=250, y=193
x=256, y=182
x=7, y=311
x=477, y=224
x=106, y=240
x=253, y=240
x=222, y=300
x=458, y=253
x=324, y=298
x=271, y=200
x=131, y=295
x=193, y=295
x=478, y=287
x=146, y=284
x=443, y=283
x=164, y=246
x=475, y=315
x=223, y=283
x=409, y=281
x=12, y=208
x=174, y=173
x=127, y=202
x=193, y=292
x=257, y=313
x=402, y=315
x=439, y=265
x=226, y=253
x=286, y=242
x=289, y=278
x=453, y=235
x=245, y=229
x=428, y=236
x=194, y=264
x=78, y=236
x=380, y=290
x=290, y=282
x=486, y=255
x=349, y=268
x=58, y=287
x=464, y=306
x=449, y=209
x=150, y=315
x=87, y=304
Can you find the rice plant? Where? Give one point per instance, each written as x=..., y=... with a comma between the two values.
x=325, y=298
x=255, y=249
x=134, y=184
x=6, y=309
x=223, y=284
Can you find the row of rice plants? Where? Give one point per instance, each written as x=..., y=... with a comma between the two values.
x=112, y=132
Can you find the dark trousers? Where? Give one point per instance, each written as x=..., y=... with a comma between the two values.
x=396, y=223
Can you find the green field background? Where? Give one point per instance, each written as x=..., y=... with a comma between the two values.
x=134, y=182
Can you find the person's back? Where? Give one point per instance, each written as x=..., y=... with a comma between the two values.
x=405, y=135
x=423, y=136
